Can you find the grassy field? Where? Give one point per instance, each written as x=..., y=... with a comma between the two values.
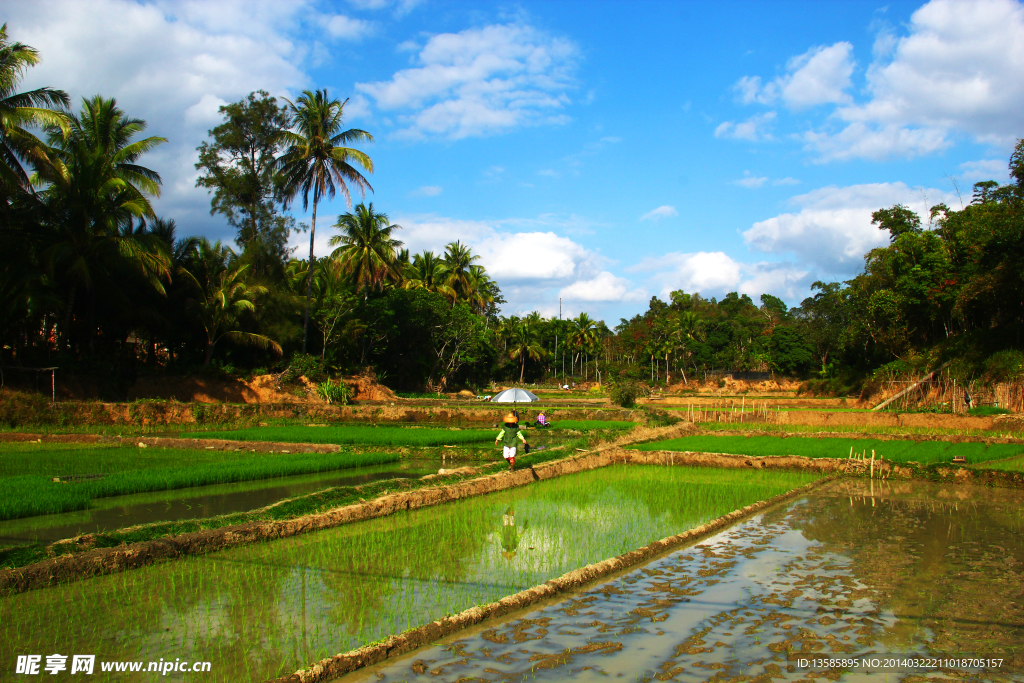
x=924, y=452
x=270, y=608
x=586, y=425
x=357, y=434
x=27, y=469
x=1009, y=465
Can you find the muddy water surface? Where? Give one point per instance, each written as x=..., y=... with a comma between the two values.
x=855, y=569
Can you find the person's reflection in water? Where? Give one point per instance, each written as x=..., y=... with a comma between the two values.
x=510, y=534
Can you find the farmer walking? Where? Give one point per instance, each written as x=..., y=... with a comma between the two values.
x=507, y=436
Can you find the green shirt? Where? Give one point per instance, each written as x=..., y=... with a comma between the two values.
x=508, y=435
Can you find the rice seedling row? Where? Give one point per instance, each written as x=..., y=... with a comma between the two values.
x=357, y=434
x=27, y=487
x=267, y=609
x=899, y=451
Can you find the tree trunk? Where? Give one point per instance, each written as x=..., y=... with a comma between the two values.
x=209, y=355
x=522, y=368
x=309, y=277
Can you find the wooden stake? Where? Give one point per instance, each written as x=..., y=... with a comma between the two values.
x=872, y=464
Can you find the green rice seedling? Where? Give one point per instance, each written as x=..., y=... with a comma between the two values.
x=274, y=607
x=35, y=493
x=586, y=425
x=895, y=450
x=358, y=434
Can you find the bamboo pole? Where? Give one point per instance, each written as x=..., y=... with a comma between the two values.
x=872, y=464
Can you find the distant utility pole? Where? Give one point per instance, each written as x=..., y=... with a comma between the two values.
x=556, y=339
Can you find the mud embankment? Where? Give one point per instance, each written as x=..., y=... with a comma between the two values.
x=397, y=645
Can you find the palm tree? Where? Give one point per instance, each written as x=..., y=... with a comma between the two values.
x=428, y=272
x=524, y=343
x=221, y=296
x=583, y=335
x=479, y=289
x=458, y=258
x=21, y=109
x=365, y=249
x=318, y=160
x=96, y=190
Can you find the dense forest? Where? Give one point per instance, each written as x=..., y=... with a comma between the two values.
x=93, y=281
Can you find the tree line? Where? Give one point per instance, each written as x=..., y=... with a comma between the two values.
x=92, y=280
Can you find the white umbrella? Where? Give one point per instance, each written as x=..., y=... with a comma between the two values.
x=514, y=396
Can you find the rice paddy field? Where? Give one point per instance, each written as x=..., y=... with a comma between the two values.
x=267, y=609
x=117, y=512
x=27, y=471
x=899, y=451
x=357, y=434
x=913, y=569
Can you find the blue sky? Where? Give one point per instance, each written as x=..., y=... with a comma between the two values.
x=601, y=152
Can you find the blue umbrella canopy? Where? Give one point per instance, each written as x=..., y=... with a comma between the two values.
x=514, y=396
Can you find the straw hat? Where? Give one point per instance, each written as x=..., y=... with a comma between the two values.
x=511, y=419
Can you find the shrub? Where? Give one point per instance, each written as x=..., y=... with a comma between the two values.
x=308, y=366
x=333, y=392
x=625, y=393
x=987, y=411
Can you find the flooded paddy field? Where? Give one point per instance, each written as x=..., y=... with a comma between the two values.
x=116, y=512
x=852, y=568
x=894, y=450
x=268, y=609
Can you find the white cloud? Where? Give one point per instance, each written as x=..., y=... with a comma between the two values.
x=750, y=181
x=755, y=128
x=428, y=191
x=606, y=287
x=786, y=181
x=819, y=76
x=960, y=68
x=532, y=263
x=832, y=229
x=347, y=28
x=697, y=272
x=481, y=81
x=985, y=169
x=169, y=63
x=400, y=7
x=659, y=213
x=716, y=273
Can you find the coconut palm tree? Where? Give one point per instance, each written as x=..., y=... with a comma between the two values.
x=523, y=343
x=318, y=160
x=458, y=259
x=583, y=335
x=428, y=272
x=19, y=110
x=96, y=190
x=221, y=295
x=365, y=249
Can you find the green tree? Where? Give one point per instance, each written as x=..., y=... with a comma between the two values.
x=458, y=261
x=21, y=110
x=365, y=249
x=899, y=220
x=317, y=160
x=95, y=189
x=523, y=344
x=220, y=296
x=238, y=166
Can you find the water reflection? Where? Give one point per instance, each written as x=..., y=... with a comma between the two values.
x=853, y=569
